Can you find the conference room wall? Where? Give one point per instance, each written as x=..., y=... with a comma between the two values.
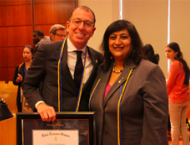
x=18, y=20
x=151, y=21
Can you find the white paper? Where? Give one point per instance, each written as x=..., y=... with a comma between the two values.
x=55, y=137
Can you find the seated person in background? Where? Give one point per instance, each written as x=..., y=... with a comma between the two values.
x=38, y=38
x=20, y=72
x=149, y=53
x=129, y=94
x=57, y=32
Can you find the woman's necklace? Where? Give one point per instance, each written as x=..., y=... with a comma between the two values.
x=119, y=71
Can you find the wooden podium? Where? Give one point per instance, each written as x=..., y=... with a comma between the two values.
x=8, y=131
x=8, y=92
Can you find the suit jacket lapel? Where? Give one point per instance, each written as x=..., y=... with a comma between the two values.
x=104, y=76
x=120, y=81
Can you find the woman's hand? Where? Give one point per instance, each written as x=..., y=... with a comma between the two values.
x=19, y=78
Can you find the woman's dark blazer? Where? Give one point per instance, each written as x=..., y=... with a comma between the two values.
x=20, y=71
x=144, y=106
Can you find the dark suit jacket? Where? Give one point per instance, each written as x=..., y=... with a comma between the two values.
x=144, y=106
x=44, y=67
x=20, y=71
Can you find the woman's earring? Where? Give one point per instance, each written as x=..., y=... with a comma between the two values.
x=111, y=57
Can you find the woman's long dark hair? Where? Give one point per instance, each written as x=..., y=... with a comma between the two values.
x=149, y=53
x=136, y=42
x=175, y=47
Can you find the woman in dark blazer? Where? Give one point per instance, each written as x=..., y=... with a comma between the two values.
x=129, y=95
x=20, y=72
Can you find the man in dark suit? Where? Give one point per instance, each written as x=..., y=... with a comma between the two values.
x=54, y=64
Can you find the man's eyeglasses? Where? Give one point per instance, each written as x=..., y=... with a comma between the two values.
x=60, y=35
x=77, y=22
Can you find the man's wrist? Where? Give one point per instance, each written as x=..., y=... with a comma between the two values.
x=39, y=102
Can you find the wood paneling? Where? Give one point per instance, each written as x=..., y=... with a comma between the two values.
x=14, y=2
x=3, y=15
x=63, y=11
x=3, y=36
x=16, y=36
x=8, y=92
x=16, y=15
x=3, y=57
x=3, y=73
x=18, y=20
x=54, y=1
x=11, y=72
x=52, y=13
x=8, y=131
x=21, y=35
x=15, y=56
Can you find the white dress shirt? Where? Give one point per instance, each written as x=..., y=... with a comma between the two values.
x=72, y=59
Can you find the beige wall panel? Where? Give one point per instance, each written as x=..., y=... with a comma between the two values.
x=150, y=20
x=180, y=26
x=106, y=12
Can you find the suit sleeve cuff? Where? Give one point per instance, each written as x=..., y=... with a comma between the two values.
x=39, y=102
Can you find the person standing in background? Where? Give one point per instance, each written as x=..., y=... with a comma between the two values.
x=39, y=38
x=57, y=32
x=149, y=53
x=178, y=92
x=20, y=72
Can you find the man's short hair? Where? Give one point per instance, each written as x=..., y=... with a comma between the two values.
x=56, y=27
x=40, y=33
x=84, y=8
